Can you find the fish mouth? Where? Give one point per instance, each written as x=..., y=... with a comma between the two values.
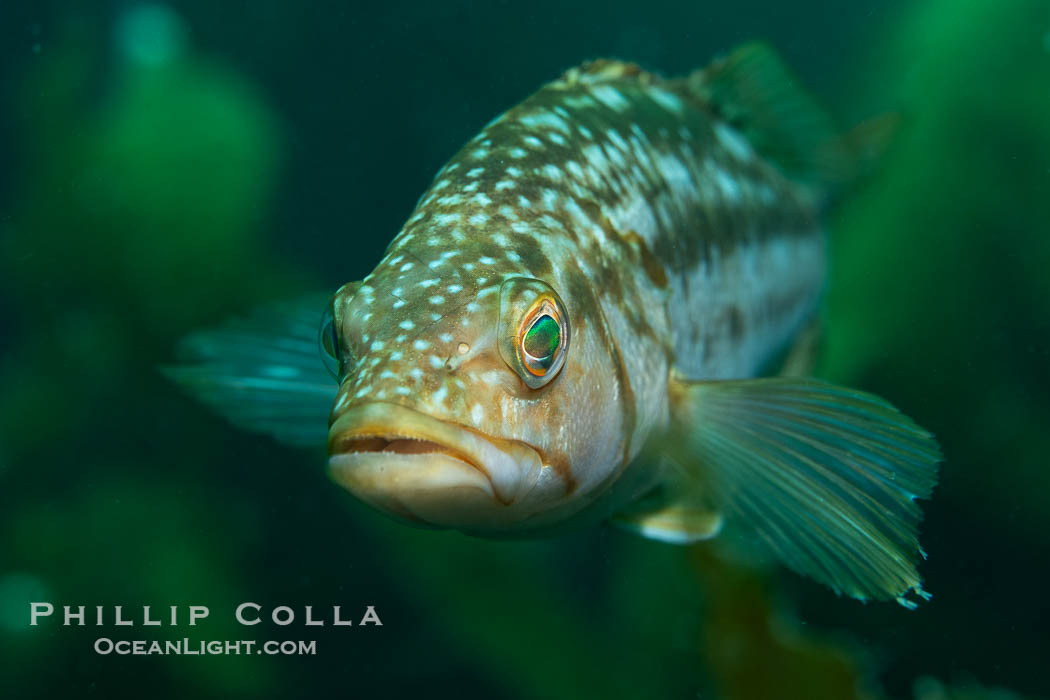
x=428, y=470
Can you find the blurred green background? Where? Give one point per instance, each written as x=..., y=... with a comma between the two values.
x=163, y=166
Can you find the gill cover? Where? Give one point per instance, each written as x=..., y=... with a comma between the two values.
x=533, y=330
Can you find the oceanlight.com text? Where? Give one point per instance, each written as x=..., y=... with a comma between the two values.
x=188, y=647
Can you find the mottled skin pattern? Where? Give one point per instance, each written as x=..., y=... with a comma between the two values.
x=672, y=245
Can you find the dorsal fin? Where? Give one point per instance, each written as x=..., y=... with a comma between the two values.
x=603, y=70
x=755, y=92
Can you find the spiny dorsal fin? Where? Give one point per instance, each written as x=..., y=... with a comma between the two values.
x=602, y=70
x=755, y=92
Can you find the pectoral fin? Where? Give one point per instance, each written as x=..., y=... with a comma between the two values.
x=825, y=476
x=263, y=372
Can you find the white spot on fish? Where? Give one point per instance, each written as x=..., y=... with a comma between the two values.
x=610, y=97
x=733, y=142
x=667, y=100
x=517, y=152
x=492, y=377
x=550, y=199
x=420, y=344
x=544, y=119
x=438, y=299
x=477, y=413
x=578, y=102
x=407, y=325
x=728, y=185
x=478, y=219
x=474, y=172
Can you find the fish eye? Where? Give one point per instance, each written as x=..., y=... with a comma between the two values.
x=331, y=348
x=539, y=344
x=534, y=330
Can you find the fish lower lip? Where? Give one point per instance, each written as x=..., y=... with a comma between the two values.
x=398, y=431
x=395, y=445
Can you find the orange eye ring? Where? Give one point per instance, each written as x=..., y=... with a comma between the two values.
x=540, y=338
x=533, y=330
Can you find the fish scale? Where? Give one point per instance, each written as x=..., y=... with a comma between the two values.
x=569, y=185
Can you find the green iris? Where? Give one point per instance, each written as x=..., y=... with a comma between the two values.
x=542, y=339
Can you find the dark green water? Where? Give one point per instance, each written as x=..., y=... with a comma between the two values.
x=165, y=166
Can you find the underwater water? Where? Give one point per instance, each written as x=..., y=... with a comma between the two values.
x=164, y=166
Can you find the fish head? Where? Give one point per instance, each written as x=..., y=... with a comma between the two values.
x=471, y=397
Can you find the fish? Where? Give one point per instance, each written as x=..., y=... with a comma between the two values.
x=585, y=319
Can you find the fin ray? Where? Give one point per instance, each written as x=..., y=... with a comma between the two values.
x=826, y=476
x=263, y=372
x=753, y=90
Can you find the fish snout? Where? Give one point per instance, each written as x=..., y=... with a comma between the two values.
x=430, y=471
